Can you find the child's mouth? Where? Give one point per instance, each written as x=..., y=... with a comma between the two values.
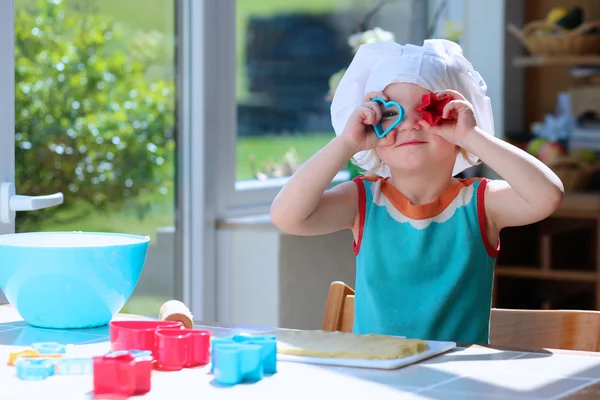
x=411, y=143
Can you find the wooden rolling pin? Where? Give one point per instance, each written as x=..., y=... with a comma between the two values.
x=174, y=310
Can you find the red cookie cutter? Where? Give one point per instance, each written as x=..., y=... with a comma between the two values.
x=181, y=348
x=173, y=347
x=137, y=335
x=432, y=107
x=122, y=373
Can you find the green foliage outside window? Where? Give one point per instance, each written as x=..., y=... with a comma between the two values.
x=89, y=121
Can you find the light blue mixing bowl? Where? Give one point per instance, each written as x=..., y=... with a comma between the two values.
x=70, y=279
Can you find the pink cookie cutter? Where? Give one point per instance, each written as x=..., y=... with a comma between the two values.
x=173, y=347
x=137, y=335
x=181, y=348
x=122, y=373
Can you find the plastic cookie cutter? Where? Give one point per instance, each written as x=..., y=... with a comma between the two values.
x=49, y=348
x=137, y=335
x=74, y=366
x=237, y=362
x=432, y=107
x=14, y=356
x=181, y=348
x=35, y=368
x=215, y=341
x=378, y=128
x=268, y=345
x=123, y=373
x=38, y=350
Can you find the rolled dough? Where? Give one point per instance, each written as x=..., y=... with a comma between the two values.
x=317, y=343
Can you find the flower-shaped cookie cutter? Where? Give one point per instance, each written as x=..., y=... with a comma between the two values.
x=124, y=373
x=243, y=358
x=34, y=368
x=181, y=348
x=173, y=346
x=137, y=335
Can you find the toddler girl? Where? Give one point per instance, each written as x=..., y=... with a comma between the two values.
x=425, y=242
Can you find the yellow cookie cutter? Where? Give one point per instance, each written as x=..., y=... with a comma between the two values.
x=29, y=353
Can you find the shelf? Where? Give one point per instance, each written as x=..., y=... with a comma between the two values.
x=537, y=273
x=579, y=205
x=557, y=61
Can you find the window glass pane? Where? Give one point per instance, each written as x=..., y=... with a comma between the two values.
x=448, y=17
x=95, y=116
x=287, y=53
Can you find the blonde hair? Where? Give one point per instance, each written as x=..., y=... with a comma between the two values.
x=374, y=160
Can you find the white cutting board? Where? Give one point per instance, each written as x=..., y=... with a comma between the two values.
x=435, y=348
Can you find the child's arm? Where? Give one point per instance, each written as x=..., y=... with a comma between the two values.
x=303, y=206
x=530, y=190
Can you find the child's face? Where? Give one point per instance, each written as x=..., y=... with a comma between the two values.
x=413, y=147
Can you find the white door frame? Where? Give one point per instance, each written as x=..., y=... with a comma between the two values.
x=7, y=99
x=197, y=157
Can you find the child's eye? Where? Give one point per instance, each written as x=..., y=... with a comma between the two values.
x=389, y=114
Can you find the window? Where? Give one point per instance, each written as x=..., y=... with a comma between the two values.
x=95, y=98
x=277, y=107
x=448, y=17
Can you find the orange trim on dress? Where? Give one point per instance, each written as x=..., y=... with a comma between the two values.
x=420, y=211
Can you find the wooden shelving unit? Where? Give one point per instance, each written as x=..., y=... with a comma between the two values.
x=554, y=263
x=556, y=61
x=539, y=273
x=542, y=253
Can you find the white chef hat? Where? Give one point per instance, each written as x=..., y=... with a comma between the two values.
x=437, y=65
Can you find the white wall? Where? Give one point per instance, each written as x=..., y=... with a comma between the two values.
x=158, y=276
x=484, y=46
x=268, y=278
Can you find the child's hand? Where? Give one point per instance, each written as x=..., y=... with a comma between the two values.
x=359, y=132
x=459, y=119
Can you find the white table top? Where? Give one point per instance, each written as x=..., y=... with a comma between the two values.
x=465, y=373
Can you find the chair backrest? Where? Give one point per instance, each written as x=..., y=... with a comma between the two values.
x=552, y=329
x=339, y=309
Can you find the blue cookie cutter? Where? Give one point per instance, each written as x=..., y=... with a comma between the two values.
x=49, y=348
x=268, y=344
x=74, y=366
x=401, y=114
x=243, y=358
x=214, y=341
x=35, y=368
x=237, y=362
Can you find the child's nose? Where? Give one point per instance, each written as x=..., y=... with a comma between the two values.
x=410, y=121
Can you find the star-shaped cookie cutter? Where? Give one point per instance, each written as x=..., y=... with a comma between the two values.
x=432, y=107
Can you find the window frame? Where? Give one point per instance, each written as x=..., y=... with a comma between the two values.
x=199, y=97
x=241, y=198
x=235, y=198
x=7, y=102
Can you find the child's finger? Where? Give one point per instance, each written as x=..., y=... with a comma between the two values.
x=453, y=106
x=376, y=109
x=369, y=116
x=452, y=93
x=371, y=95
x=424, y=124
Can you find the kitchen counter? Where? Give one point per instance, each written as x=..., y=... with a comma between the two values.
x=470, y=372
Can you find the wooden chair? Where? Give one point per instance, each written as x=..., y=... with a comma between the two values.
x=552, y=329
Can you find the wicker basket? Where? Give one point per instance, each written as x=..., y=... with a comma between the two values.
x=574, y=175
x=542, y=38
